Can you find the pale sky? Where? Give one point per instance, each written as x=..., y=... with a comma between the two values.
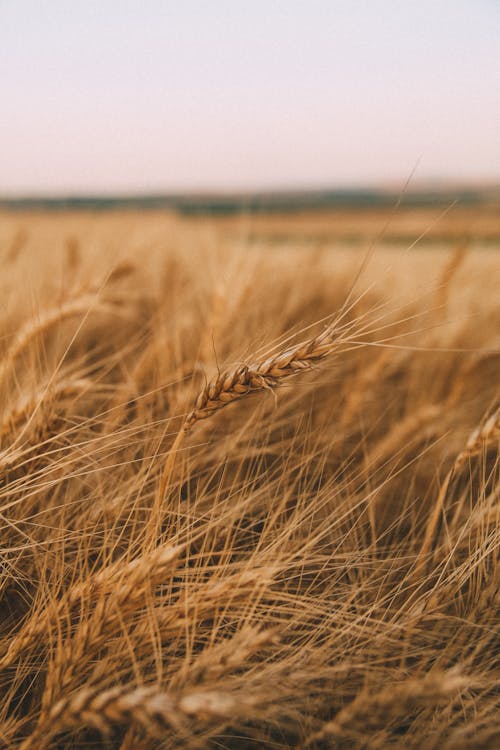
x=145, y=95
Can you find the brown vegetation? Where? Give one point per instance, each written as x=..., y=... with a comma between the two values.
x=315, y=565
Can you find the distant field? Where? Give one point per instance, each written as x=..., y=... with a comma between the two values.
x=290, y=202
x=447, y=224
x=250, y=477
x=474, y=223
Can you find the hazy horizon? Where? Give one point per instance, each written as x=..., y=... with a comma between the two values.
x=155, y=97
x=393, y=188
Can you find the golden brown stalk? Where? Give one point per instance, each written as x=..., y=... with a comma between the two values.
x=200, y=600
x=206, y=348
x=449, y=271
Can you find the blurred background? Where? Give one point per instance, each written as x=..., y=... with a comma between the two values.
x=151, y=98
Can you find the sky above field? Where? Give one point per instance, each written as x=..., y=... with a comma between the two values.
x=132, y=96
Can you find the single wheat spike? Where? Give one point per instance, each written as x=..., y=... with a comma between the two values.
x=234, y=384
x=125, y=579
x=203, y=599
x=73, y=255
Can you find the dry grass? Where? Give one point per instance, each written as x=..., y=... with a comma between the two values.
x=315, y=565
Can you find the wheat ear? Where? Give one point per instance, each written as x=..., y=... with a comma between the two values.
x=149, y=707
x=267, y=374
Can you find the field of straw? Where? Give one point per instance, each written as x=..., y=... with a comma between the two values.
x=249, y=482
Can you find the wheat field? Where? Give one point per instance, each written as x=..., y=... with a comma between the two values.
x=249, y=479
